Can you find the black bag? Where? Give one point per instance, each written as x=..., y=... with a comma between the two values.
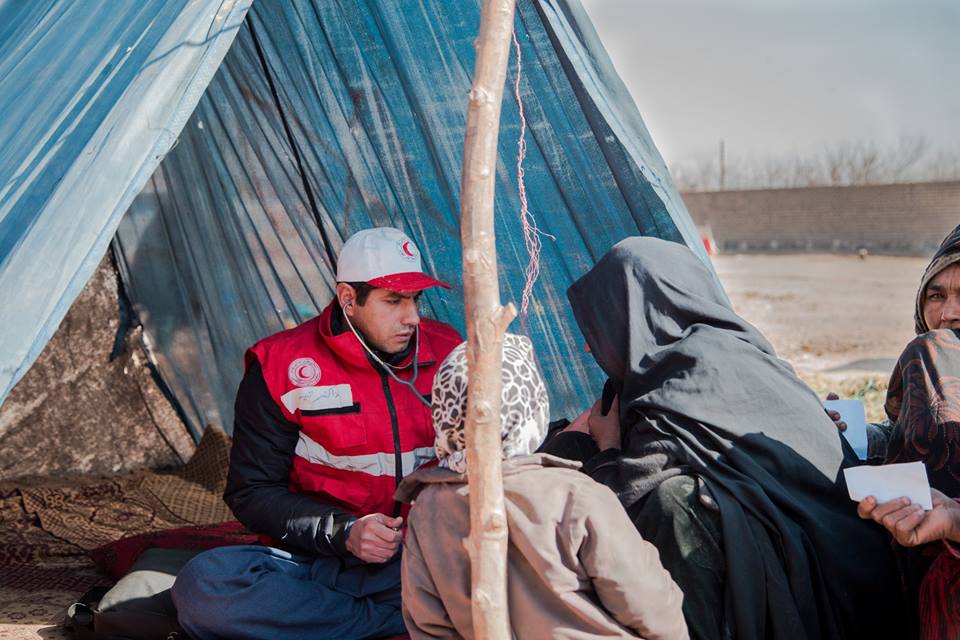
x=139, y=606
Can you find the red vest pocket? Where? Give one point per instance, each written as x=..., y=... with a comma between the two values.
x=348, y=490
x=335, y=432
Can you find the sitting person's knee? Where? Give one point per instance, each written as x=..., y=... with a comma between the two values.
x=189, y=581
x=678, y=489
x=675, y=494
x=201, y=575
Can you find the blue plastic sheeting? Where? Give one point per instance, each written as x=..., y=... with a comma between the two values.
x=93, y=94
x=329, y=117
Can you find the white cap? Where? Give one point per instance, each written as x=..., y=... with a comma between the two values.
x=385, y=258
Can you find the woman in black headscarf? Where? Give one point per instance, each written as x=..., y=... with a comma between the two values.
x=923, y=397
x=923, y=411
x=710, y=419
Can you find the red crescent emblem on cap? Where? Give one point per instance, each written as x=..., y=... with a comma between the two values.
x=406, y=249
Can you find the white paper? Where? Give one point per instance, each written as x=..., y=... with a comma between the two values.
x=890, y=481
x=318, y=398
x=852, y=412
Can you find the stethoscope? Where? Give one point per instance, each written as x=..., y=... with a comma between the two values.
x=389, y=368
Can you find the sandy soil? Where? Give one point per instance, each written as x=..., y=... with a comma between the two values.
x=827, y=313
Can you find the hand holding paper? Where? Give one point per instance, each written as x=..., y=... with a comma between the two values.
x=910, y=525
x=889, y=482
x=852, y=413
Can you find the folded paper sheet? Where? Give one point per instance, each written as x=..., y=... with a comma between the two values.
x=890, y=481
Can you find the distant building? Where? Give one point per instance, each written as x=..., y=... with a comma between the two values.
x=897, y=219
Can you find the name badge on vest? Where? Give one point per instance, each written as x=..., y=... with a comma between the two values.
x=318, y=398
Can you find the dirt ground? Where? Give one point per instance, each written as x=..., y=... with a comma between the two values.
x=840, y=320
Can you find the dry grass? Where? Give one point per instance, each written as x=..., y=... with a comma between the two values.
x=872, y=389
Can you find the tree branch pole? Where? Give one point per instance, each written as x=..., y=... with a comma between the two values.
x=487, y=321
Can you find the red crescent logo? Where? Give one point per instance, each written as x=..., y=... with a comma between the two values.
x=406, y=249
x=304, y=372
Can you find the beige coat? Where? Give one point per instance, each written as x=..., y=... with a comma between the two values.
x=577, y=566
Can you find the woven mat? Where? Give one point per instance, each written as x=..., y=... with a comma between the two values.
x=47, y=526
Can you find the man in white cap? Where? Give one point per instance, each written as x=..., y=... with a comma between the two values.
x=330, y=416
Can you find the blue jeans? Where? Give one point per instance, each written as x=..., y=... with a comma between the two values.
x=253, y=591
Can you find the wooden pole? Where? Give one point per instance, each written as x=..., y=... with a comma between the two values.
x=487, y=321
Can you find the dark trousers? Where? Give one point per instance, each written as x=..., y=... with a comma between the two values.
x=688, y=536
x=257, y=592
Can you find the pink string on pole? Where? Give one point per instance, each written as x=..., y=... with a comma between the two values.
x=531, y=232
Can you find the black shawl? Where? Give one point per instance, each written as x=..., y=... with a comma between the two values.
x=702, y=391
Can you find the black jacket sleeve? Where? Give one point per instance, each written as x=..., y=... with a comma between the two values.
x=580, y=447
x=571, y=445
x=257, y=483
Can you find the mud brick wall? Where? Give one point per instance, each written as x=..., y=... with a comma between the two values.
x=900, y=219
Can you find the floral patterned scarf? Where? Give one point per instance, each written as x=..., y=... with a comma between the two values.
x=524, y=409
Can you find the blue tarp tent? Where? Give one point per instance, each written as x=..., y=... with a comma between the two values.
x=322, y=118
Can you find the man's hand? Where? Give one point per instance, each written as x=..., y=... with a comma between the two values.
x=606, y=429
x=581, y=423
x=835, y=415
x=375, y=537
x=909, y=524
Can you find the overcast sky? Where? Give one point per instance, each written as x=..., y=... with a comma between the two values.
x=773, y=77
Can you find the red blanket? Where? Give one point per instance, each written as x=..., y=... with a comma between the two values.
x=116, y=558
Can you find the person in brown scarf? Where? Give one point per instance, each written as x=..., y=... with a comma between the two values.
x=576, y=567
x=923, y=398
x=923, y=407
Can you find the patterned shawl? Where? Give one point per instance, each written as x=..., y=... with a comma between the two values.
x=923, y=397
x=524, y=409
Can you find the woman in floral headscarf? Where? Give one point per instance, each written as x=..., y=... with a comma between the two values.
x=577, y=568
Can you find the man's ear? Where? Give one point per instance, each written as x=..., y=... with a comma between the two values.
x=346, y=296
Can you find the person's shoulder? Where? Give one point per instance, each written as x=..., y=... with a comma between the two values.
x=564, y=479
x=570, y=492
x=440, y=333
x=571, y=476
x=588, y=501
x=283, y=341
x=934, y=339
x=583, y=491
x=287, y=336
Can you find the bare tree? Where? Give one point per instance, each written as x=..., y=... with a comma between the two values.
x=903, y=156
x=864, y=162
x=944, y=165
x=846, y=163
x=702, y=175
x=851, y=163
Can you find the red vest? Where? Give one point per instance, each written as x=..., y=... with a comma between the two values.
x=359, y=428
